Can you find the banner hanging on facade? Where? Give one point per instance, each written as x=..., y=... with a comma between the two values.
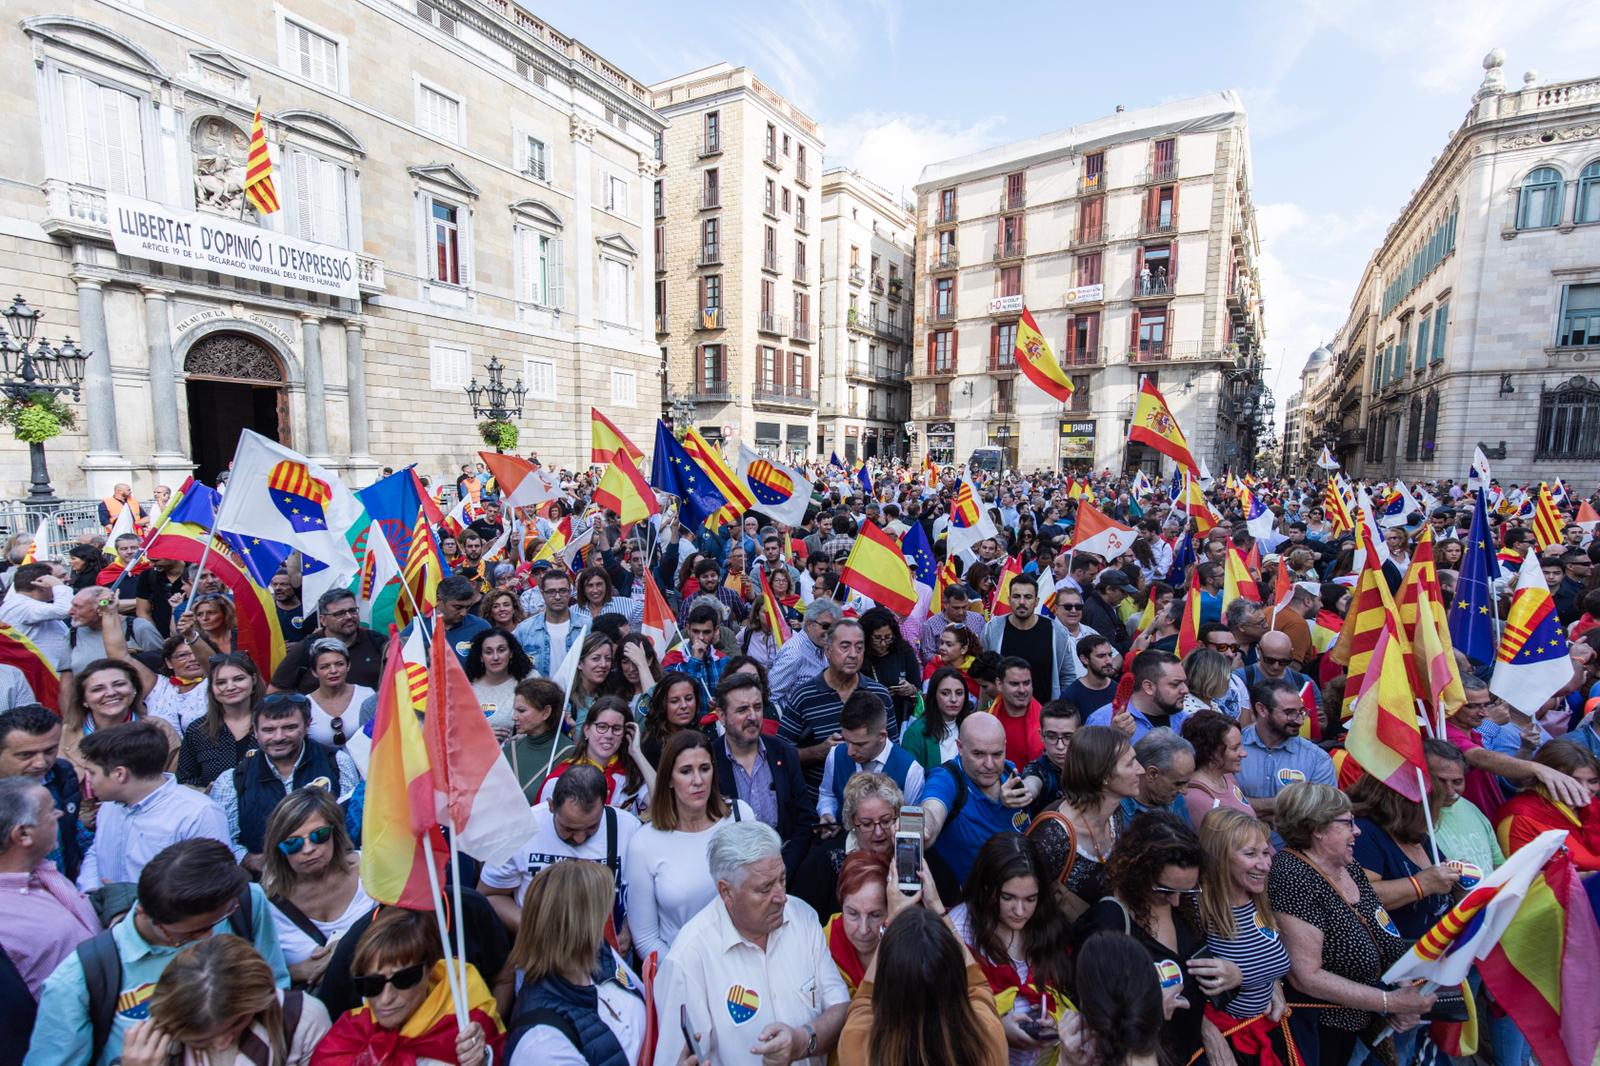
x=146, y=230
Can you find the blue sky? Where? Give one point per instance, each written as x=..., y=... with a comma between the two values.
x=1348, y=100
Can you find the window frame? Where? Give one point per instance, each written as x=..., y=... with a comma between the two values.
x=1564, y=318
x=1554, y=202
x=285, y=20
x=621, y=375
x=421, y=85
x=55, y=133
x=1588, y=182
x=435, y=350
x=529, y=363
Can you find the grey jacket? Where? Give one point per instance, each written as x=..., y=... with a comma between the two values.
x=1064, y=663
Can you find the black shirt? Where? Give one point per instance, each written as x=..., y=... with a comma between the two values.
x=1037, y=645
x=366, y=663
x=203, y=758
x=154, y=587
x=291, y=622
x=1089, y=700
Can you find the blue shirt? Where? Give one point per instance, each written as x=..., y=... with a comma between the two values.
x=1266, y=770
x=1141, y=722
x=979, y=818
x=1130, y=808
x=459, y=635
x=63, y=1035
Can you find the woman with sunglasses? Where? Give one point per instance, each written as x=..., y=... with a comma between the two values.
x=216, y=622
x=591, y=681
x=214, y=745
x=335, y=702
x=502, y=609
x=407, y=1016
x=495, y=665
x=311, y=875
x=1153, y=876
x=1218, y=754
x=601, y=742
x=216, y=1003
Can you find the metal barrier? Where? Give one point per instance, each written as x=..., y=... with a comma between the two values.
x=69, y=518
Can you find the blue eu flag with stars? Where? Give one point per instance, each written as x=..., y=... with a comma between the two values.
x=672, y=470
x=1472, y=611
x=919, y=553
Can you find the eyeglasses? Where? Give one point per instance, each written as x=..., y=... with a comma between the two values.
x=1182, y=893
x=1272, y=660
x=607, y=727
x=1217, y=645
x=370, y=985
x=348, y=612
x=881, y=825
x=178, y=940
x=1053, y=739
x=1347, y=821
x=294, y=845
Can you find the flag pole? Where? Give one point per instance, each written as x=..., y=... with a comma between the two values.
x=461, y=928
x=244, y=195
x=1427, y=813
x=456, y=998
x=144, y=550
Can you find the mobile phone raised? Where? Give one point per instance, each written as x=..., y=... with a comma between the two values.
x=908, y=850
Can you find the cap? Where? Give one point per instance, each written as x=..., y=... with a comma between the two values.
x=1113, y=578
x=1310, y=587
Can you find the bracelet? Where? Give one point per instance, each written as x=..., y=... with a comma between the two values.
x=1416, y=886
x=1386, y=1001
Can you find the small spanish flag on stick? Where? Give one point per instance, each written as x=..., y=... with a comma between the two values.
x=258, y=186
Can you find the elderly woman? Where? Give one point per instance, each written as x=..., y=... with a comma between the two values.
x=406, y=1014
x=335, y=702
x=217, y=1004
x=871, y=814
x=1340, y=938
x=1218, y=753
x=854, y=932
x=1393, y=847
x=310, y=874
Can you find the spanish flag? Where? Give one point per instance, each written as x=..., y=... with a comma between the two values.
x=1002, y=588
x=1189, y=624
x=1154, y=425
x=876, y=569
x=606, y=441
x=258, y=170
x=1038, y=363
x=623, y=490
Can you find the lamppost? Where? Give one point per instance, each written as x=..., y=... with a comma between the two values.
x=683, y=410
x=494, y=401
x=32, y=369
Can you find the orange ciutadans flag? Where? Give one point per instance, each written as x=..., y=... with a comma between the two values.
x=606, y=441
x=1038, y=362
x=876, y=569
x=1372, y=608
x=1189, y=625
x=658, y=623
x=258, y=187
x=1384, y=739
x=399, y=812
x=1154, y=425
x=1547, y=521
x=772, y=612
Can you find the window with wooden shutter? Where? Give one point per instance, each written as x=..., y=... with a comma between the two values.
x=104, y=132
x=319, y=199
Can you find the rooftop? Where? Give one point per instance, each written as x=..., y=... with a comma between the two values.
x=721, y=78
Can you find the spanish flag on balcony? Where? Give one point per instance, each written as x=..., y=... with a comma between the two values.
x=1038, y=362
x=258, y=170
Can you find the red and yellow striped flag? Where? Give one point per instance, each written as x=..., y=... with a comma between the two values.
x=1335, y=509
x=1189, y=624
x=1384, y=738
x=258, y=170
x=1547, y=521
x=1038, y=362
x=607, y=442
x=876, y=569
x=1372, y=609
x=772, y=611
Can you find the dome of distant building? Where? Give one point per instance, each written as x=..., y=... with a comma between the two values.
x=1317, y=359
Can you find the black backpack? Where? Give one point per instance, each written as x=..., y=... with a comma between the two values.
x=102, y=970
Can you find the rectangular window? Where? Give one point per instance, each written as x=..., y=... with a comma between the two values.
x=1005, y=346
x=446, y=243
x=713, y=131
x=942, y=356
x=319, y=199
x=771, y=201
x=786, y=201
x=1441, y=319
x=538, y=160
x=1580, y=317
x=104, y=133
x=310, y=54
x=624, y=388
x=711, y=287
x=1153, y=334
x=541, y=375
x=450, y=365
x=1089, y=269
x=1011, y=281
x=710, y=246
x=1083, y=338
x=1424, y=327
x=438, y=112
x=944, y=296
x=711, y=367
x=799, y=259
x=543, y=265
x=616, y=195
x=947, y=205
x=1094, y=169
x=1080, y=393
x=1016, y=189
x=616, y=291
x=1163, y=164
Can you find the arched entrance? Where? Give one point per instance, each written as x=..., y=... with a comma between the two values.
x=234, y=383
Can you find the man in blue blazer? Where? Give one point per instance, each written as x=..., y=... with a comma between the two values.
x=764, y=771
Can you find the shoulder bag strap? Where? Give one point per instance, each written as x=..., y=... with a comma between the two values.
x=301, y=920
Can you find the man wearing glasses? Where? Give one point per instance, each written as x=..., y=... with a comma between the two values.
x=1486, y=765
x=798, y=661
x=1275, y=752
x=1275, y=662
x=339, y=616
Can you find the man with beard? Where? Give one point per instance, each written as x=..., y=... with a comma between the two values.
x=1158, y=691
x=1096, y=686
x=1040, y=641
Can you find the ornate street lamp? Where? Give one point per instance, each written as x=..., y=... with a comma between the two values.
x=494, y=402
x=31, y=369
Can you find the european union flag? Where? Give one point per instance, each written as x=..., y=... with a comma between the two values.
x=674, y=471
x=1182, y=559
x=262, y=558
x=919, y=553
x=834, y=461
x=1472, y=612
x=864, y=478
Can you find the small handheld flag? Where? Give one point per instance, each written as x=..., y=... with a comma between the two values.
x=876, y=569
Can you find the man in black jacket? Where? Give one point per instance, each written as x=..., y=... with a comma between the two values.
x=764, y=771
x=1100, y=607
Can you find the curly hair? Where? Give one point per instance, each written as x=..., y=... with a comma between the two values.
x=1152, y=841
x=1208, y=731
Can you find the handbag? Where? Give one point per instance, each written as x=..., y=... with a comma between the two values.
x=1057, y=841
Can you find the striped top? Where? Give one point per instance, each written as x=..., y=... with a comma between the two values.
x=1261, y=957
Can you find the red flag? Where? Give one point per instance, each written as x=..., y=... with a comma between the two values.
x=1189, y=626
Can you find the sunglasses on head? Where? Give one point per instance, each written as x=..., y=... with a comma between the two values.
x=294, y=845
x=370, y=985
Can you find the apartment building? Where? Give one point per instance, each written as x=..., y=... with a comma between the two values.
x=474, y=182
x=1132, y=240
x=737, y=219
x=1476, y=322
x=866, y=318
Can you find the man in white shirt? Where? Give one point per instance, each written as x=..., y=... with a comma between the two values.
x=143, y=809
x=37, y=606
x=752, y=969
x=865, y=746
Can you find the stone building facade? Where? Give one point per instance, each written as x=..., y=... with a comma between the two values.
x=866, y=318
x=1132, y=241
x=1477, y=321
x=737, y=221
x=486, y=175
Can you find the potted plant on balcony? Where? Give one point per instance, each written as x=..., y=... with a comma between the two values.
x=853, y=317
x=895, y=285
x=498, y=434
x=39, y=417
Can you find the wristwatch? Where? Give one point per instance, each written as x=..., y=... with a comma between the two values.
x=811, y=1041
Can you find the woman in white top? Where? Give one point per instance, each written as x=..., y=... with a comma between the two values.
x=177, y=695
x=335, y=703
x=310, y=873
x=495, y=663
x=559, y=940
x=668, y=875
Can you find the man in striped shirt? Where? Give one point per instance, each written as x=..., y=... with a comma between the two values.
x=810, y=718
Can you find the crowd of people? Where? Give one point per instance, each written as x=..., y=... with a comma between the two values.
x=1011, y=825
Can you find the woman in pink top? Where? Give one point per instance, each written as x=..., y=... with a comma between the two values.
x=1218, y=752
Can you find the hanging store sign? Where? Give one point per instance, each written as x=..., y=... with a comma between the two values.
x=146, y=230
x=1077, y=439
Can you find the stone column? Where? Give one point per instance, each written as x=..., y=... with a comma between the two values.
x=171, y=463
x=104, y=465
x=316, y=391
x=355, y=376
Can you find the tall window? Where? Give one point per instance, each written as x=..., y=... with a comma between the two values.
x=1005, y=346
x=318, y=198
x=710, y=247
x=1539, y=199
x=1430, y=426
x=616, y=195
x=940, y=355
x=710, y=367
x=1441, y=319
x=446, y=243
x=944, y=296
x=1424, y=340
x=1414, y=429
x=947, y=205
x=310, y=54
x=1094, y=168
x=1011, y=281
x=1164, y=165
x=1152, y=338
x=543, y=260
x=1083, y=337
x=438, y=113
x=616, y=291
x=1569, y=421
x=1016, y=188
x=1580, y=317
x=713, y=142
x=1088, y=269
x=104, y=135
x=538, y=166
x=1080, y=393
x=1091, y=218
x=711, y=291
x=1588, y=208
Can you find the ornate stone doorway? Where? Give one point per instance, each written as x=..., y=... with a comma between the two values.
x=234, y=383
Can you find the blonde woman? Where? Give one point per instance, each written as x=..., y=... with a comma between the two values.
x=216, y=1004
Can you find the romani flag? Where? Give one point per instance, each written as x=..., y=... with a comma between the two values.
x=1372, y=610
x=876, y=569
x=1547, y=521
x=1383, y=737
x=1153, y=424
x=1038, y=363
x=606, y=441
x=258, y=170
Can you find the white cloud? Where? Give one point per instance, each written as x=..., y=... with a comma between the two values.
x=892, y=149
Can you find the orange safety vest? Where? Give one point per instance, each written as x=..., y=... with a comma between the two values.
x=114, y=509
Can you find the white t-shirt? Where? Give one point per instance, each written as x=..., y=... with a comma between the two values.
x=558, y=642
x=322, y=722
x=179, y=709
x=297, y=944
x=669, y=880
x=496, y=700
x=546, y=848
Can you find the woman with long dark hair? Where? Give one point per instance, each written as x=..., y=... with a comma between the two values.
x=592, y=679
x=931, y=739
x=495, y=665
x=215, y=744
x=609, y=741
x=675, y=705
x=890, y=660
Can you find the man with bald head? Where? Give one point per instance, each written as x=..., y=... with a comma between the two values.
x=1275, y=662
x=969, y=799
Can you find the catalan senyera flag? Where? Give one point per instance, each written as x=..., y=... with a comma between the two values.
x=606, y=441
x=1002, y=588
x=1147, y=616
x=1371, y=610
x=258, y=187
x=772, y=612
x=947, y=578
x=969, y=520
x=1189, y=624
x=715, y=467
x=1427, y=628
x=1547, y=521
x=423, y=570
x=1335, y=509
x=1038, y=363
x=1154, y=425
x=876, y=569
x=399, y=811
x=16, y=649
x=1383, y=737
x=624, y=491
